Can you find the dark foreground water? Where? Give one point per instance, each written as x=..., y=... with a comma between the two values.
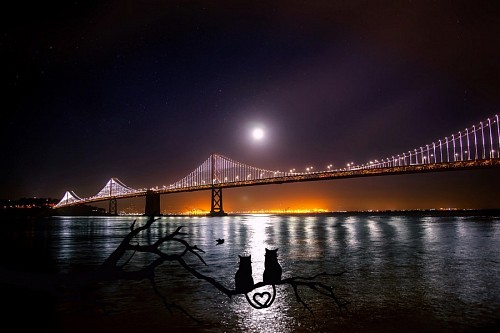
x=404, y=274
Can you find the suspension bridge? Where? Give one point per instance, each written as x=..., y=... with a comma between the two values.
x=474, y=147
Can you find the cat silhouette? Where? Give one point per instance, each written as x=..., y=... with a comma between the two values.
x=243, y=277
x=272, y=268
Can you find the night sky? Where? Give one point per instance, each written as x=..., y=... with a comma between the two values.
x=146, y=90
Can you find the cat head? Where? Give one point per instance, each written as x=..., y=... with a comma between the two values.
x=245, y=259
x=271, y=253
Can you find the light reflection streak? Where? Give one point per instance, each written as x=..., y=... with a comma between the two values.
x=351, y=232
x=373, y=230
x=374, y=236
x=258, y=243
x=400, y=231
x=262, y=230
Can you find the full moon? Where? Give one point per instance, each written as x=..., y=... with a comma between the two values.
x=257, y=134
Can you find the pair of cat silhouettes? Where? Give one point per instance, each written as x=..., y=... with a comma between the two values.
x=272, y=271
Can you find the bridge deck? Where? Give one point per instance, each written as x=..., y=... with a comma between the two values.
x=318, y=176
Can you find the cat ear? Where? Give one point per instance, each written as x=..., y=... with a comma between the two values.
x=239, y=256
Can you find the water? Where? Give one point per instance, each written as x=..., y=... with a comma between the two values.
x=422, y=273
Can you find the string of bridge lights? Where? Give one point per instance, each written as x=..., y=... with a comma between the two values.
x=478, y=142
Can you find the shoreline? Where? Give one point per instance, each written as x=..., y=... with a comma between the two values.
x=34, y=214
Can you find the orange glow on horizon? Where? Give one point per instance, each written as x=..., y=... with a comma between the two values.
x=259, y=211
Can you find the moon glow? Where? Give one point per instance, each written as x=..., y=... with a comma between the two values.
x=258, y=134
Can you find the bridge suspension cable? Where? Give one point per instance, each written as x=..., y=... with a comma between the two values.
x=219, y=169
x=113, y=188
x=69, y=198
x=478, y=142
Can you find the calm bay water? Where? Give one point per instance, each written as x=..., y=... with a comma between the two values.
x=411, y=273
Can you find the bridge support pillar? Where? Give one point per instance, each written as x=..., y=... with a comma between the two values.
x=113, y=207
x=152, y=203
x=216, y=206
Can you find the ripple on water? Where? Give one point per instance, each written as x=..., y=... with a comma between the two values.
x=429, y=273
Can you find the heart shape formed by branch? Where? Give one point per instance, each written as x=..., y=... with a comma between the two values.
x=262, y=299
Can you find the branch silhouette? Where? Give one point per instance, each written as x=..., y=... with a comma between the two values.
x=112, y=269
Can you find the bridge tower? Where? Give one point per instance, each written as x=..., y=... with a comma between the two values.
x=113, y=207
x=152, y=203
x=216, y=208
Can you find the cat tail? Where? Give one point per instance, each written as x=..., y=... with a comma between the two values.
x=257, y=304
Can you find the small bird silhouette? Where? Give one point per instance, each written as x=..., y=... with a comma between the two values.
x=219, y=241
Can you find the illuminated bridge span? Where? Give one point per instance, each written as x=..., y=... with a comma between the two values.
x=473, y=148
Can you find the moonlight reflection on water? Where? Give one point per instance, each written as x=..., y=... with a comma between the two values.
x=432, y=273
